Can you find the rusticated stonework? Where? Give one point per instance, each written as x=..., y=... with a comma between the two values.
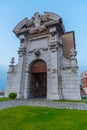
x=47, y=64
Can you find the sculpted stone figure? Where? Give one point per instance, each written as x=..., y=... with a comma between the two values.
x=36, y=20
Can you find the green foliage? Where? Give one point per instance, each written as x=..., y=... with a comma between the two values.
x=38, y=118
x=12, y=95
x=84, y=97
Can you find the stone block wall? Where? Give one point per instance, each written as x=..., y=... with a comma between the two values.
x=70, y=85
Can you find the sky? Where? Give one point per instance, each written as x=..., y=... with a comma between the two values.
x=73, y=13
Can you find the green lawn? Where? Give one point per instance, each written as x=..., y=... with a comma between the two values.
x=4, y=99
x=74, y=101
x=37, y=118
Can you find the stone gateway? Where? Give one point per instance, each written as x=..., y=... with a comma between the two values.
x=47, y=64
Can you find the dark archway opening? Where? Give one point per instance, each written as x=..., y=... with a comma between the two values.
x=38, y=80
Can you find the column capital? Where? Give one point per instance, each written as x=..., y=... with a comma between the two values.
x=22, y=51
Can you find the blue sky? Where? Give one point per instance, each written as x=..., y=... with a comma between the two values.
x=73, y=13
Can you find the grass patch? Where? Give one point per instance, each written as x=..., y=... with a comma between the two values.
x=4, y=99
x=72, y=101
x=37, y=118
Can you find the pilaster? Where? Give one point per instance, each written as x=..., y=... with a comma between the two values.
x=54, y=69
x=20, y=75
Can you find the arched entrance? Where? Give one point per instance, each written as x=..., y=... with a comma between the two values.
x=38, y=79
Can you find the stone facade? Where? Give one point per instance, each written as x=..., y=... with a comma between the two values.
x=44, y=68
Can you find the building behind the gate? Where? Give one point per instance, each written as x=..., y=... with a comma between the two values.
x=83, y=77
x=47, y=64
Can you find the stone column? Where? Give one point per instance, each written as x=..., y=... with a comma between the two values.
x=54, y=67
x=26, y=85
x=74, y=77
x=20, y=75
x=54, y=75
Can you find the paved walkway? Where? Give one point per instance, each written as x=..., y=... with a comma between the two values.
x=43, y=103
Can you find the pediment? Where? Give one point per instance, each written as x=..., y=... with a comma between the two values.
x=20, y=25
x=36, y=22
x=52, y=16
